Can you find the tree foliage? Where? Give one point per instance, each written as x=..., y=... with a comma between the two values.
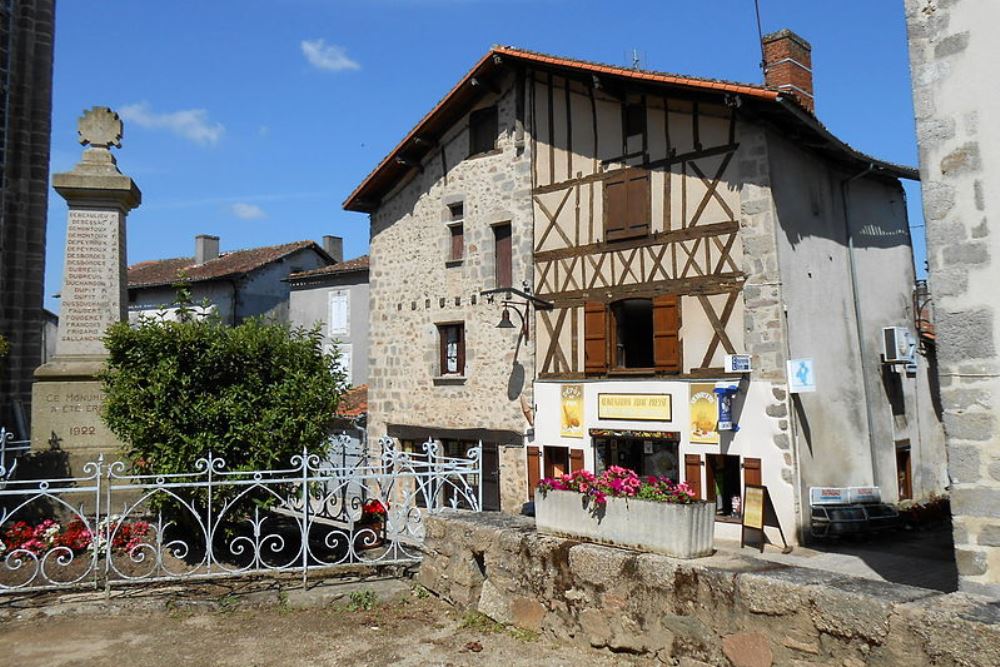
x=254, y=394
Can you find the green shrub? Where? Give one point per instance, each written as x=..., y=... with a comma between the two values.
x=254, y=394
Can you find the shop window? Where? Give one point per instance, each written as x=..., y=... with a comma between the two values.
x=451, y=339
x=483, y=128
x=646, y=457
x=626, y=204
x=502, y=255
x=723, y=487
x=633, y=334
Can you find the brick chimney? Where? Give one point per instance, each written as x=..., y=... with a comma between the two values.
x=334, y=247
x=205, y=248
x=788, y=66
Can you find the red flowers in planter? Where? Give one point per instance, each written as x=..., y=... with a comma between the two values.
x=373, y=511
x=619, y=482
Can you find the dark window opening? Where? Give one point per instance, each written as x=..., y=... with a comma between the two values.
x=456, y=211
x=452, y=348
x=904, y=473
x=483, y=126
x=722, y=479
x=635, y=119
x=633, y=333
x=502, y=255
x=645, y=457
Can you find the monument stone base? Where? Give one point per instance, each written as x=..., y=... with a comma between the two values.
x=66, y=426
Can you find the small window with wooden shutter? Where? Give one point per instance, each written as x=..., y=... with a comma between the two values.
x=452, y=348
x=595, y=338
x=692, y=473
x=502, y=255
x=627, y=203
x=667, y=357
x=575, y=460
x=456, y=232
x=534, y=469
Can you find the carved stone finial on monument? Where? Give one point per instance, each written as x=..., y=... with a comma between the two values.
x=100, y=127
x=67, y=395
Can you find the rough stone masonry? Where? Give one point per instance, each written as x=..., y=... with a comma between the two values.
x=722, y=611
x=952, y=54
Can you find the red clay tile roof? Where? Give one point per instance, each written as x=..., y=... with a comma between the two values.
x=354, y=402
x=349, y=266
x=452, y=106
x=226, y=265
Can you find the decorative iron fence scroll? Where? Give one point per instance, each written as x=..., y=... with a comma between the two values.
x=112, y=526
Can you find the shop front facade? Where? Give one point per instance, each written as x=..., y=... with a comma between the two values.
x=667, y=428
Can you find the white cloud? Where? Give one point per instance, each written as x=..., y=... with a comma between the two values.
x=246, y=211
x=327, y=56
x=190, y=124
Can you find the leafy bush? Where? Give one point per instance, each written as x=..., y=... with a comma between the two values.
x=254, y=394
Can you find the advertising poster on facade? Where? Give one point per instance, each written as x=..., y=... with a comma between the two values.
x=704, y=414
x=571, y=413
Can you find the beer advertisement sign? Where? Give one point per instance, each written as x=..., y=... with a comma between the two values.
x=704, y=414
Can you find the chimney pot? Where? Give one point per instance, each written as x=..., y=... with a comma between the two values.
x=788, y=66
x=206, y=248
x=334, y=247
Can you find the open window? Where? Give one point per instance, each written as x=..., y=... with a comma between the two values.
x=627, y=204
x=483, y=129
x=633, y=335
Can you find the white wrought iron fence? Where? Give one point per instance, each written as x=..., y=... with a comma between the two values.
x=114, y=526
x=10, y=450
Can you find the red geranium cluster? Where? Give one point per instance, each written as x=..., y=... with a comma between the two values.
x=129, y=535
x=373, y=511
x=76, y=536
x=33, y=539
x=619, y=482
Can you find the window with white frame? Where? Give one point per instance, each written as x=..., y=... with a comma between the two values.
x=344, y=359
x=339, y=321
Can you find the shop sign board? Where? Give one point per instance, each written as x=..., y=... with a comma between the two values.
x=704, y=414
x=571, y=411
x=828, y=495
x=801, y=376
x=636, y=407
x=864, y=494
x=758, y=511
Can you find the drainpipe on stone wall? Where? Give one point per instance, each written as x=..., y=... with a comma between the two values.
x=856, y=298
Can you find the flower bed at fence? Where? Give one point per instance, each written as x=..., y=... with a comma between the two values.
x=619, y=508
x=48, y=534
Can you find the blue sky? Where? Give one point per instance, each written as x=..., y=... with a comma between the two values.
x=253, y=119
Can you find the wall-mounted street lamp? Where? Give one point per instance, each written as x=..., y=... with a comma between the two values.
x=520, y=301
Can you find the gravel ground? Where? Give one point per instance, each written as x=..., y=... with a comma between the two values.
x=412, y=630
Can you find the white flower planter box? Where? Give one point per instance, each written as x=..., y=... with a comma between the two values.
x=681, y=531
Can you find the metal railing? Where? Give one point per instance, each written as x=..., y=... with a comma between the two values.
x=10, y=450
x=113, y=526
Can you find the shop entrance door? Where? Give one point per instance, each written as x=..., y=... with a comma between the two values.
x=491, y=477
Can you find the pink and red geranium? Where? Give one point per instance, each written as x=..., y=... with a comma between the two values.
x=48, y=534
x=618, y=482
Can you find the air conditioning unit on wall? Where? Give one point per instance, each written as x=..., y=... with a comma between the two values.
x=898, y=346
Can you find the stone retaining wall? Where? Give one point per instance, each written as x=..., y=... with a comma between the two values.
x=723, y=610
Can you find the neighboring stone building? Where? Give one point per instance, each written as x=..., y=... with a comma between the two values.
x=670, y=221
x=26, y=42
x=953, y=55
x=237, y=284
x=336, y=298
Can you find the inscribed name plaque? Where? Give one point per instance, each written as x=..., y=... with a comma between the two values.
x=92, y=285
x=636, y=407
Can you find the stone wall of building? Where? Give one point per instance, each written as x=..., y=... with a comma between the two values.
x=414, y=288
x=952, y=55
x=26, y=35
x=721, y=611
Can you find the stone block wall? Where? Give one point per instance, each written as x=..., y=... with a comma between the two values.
x=27, y=30
x=952, y=53
x=413, y=288
x=722, y=611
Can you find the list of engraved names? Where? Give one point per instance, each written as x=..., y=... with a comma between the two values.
x=91, y=298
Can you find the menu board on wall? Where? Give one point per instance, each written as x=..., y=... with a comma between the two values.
x=704, y=414
x=571, y=411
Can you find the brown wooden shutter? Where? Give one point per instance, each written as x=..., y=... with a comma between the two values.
x=638, y=202
x=666, y=333
x=502, y=255
x=615, y=207
x=692, y=473
x=461, y=348
x=457, y=241
x=751, y=472
x=595, y=335
x=575, y=460
x=534, y=469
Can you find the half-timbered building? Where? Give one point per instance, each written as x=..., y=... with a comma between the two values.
x=664, y=223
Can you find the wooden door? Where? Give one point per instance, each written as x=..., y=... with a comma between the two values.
x=751, y=472
x=534, y=470
x=491, y=477
x=692, y=473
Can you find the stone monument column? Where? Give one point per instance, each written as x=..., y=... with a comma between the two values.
x=66, y=396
